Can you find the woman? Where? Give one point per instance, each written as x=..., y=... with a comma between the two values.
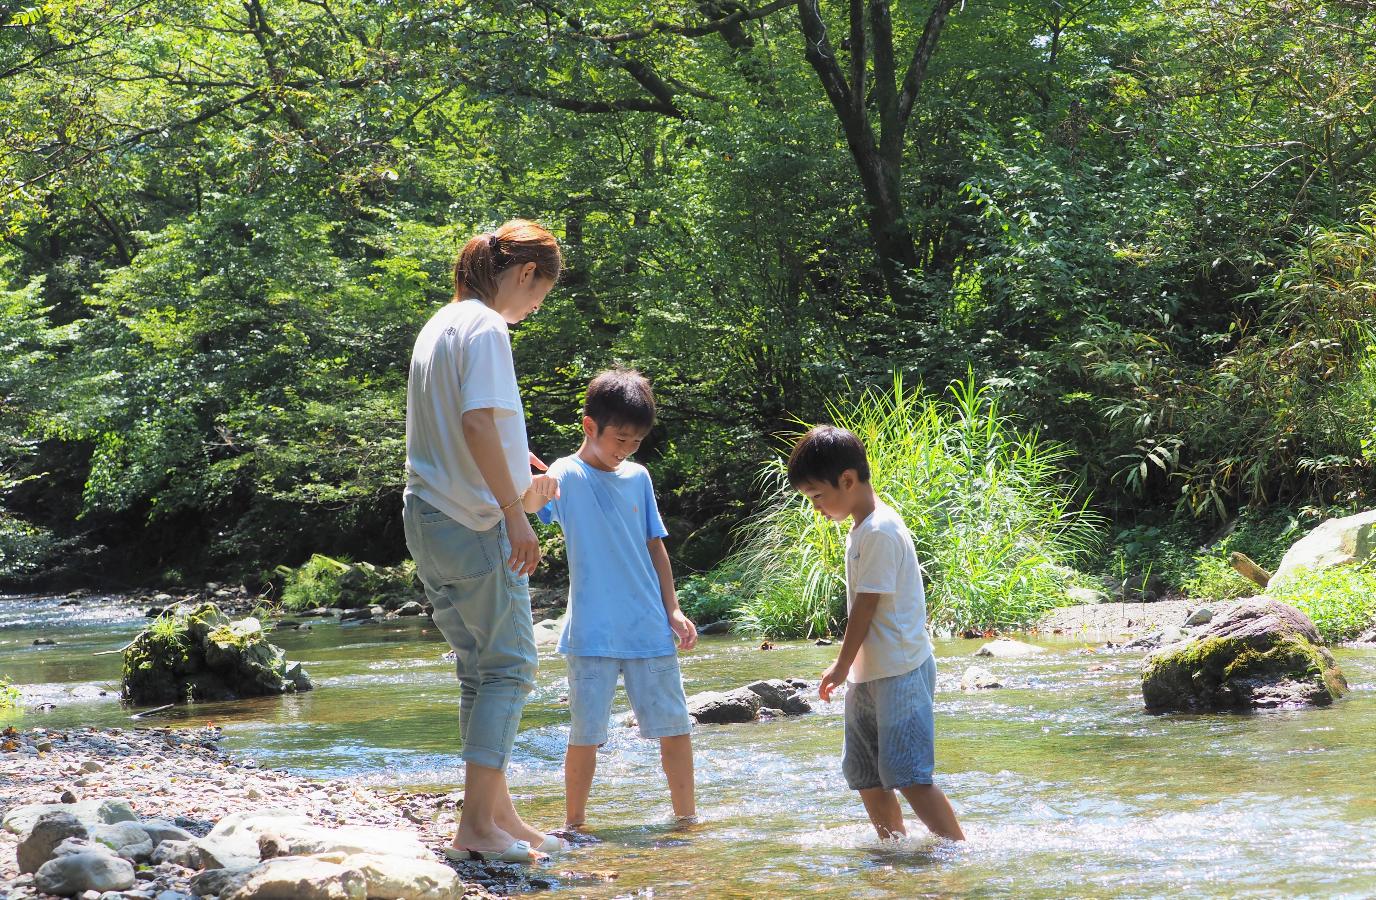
x=467, y=471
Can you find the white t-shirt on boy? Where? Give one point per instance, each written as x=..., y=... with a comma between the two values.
x=881, y=559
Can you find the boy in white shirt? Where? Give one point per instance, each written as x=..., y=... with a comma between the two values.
x=886, y=654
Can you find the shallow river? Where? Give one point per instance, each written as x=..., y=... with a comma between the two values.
x=1065, y=787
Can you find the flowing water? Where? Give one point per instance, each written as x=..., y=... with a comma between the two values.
x=1065, y=787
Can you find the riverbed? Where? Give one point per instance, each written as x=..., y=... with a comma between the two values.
x=1063, y=784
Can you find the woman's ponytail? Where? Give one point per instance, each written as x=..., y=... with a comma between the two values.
x=487, y=255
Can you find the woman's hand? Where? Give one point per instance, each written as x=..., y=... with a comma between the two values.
x=525, y=547
x=832, y=678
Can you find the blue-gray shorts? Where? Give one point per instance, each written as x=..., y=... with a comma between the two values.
x=890, y=730
x=654, y=686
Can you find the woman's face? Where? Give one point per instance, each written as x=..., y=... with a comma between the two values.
x=520, y=291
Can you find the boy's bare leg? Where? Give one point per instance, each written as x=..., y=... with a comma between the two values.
x=580, y=763
x=483, y=790
x=676, y=756
x=934, y=810
x=886, y=815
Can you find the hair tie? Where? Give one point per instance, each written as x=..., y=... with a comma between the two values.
x=494, y=246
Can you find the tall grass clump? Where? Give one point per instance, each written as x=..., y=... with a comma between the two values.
x=9, y=695
x=991, y=510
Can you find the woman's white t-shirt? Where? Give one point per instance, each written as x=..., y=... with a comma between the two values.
x=461, y=361
x=881, y=559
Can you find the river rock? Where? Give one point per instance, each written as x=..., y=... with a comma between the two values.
x=548, y=631
x=411, y=608
x=1257, y=654
x=207, y=658
x=1006, y=649
x=127, y=839
x=776, y=693
x=296, y=878
x=91, y=870
x=51, y=829
x=724, y=707
x=159, y=830
x=182, y=853
x=978, y=678
x=90, y=813
x=721, y=626
x=401, y=878
x=304, y=839
x=1335, y=542
x=1201, y=616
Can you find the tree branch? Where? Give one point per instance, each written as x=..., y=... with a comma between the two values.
x=661, y=27
x=922, y=55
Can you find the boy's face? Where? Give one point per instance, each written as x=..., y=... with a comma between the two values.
x=611, y=446
x=832, y=500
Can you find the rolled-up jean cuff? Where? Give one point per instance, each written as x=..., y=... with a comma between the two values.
x=481, y=756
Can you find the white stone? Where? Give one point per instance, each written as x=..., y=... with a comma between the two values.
x=1006, y=649
x=90, y=813
x=1335, y=542
x=298, y=878
x=402, y=878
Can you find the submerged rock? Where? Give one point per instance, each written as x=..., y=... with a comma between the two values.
x=204, y=656
x=1259, y=654
x=1006, y=649
x=978, y=678
x=724, y=707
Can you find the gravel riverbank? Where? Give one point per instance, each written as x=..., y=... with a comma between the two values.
x=183, y=777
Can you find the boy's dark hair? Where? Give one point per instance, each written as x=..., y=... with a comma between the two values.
x=823, y=454
x=620, y=397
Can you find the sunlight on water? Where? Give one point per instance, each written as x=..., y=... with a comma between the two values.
x=1064, y=786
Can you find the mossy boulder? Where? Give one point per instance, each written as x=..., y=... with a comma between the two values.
x=1256, y=654
x=202, y=655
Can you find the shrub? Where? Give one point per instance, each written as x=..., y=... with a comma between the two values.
x=9, y=695
x=993, y=515
x=326, y=581
x=1340, y=600
x=711, y=597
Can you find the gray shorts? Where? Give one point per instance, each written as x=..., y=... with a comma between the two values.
x=654, y=686
x=890, y=730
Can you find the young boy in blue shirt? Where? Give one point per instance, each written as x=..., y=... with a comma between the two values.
x=886, y=654
x=623, y=616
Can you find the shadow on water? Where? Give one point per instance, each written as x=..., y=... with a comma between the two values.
x=1064, y=785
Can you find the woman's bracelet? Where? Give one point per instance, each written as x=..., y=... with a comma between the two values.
x=519, y=498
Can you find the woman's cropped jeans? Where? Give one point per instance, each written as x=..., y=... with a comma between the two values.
x=483, y=611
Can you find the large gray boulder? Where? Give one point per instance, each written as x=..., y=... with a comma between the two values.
x=202, y=655
x=1336, y=542
x=51, y=829
x=1257, y=654
x=775, y=693
x=126, y=839
x=724, y=707
x=91, y=870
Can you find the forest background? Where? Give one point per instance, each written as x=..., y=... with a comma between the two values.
x=1145, y=229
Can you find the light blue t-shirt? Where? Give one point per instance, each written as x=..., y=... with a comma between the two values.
x=615, y=606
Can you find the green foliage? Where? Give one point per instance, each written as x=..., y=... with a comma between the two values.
x=330, y=582
x=992, y=513
x=710, y=597
x=9, y=695
x=1340, y=600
